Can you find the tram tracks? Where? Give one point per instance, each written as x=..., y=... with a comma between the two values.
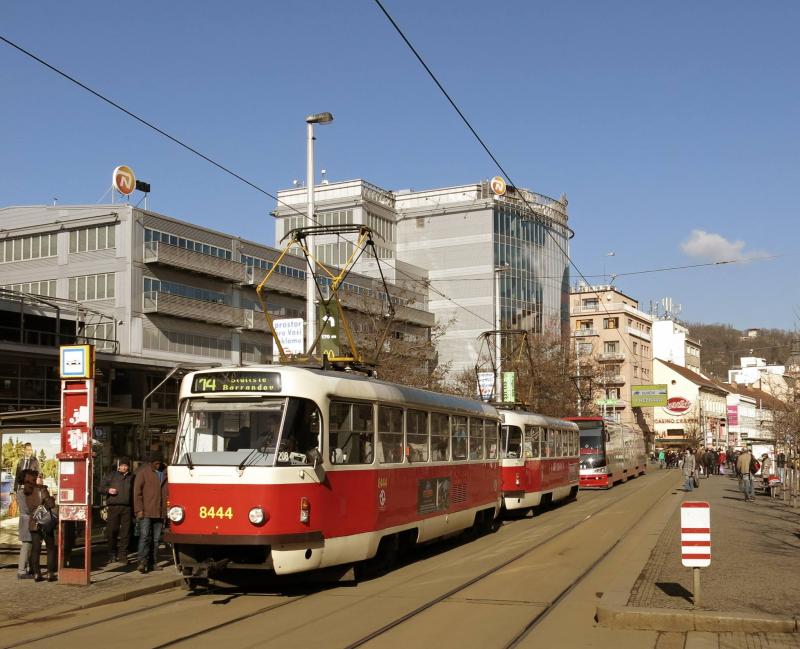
x=428, y=574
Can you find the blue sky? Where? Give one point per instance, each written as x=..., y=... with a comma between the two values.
x=672, y=128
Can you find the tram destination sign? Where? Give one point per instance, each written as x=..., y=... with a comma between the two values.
x=236, y=381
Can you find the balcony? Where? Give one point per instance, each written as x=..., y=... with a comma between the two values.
x=606, y=357
x=190, y=309
x=278, y=282
x=611, y=379
x=638, y=333
x=158, y=252
x=253, y=320
x=578, y=333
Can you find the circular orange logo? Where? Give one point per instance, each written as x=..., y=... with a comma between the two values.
x=498, y=185
x=124, y=180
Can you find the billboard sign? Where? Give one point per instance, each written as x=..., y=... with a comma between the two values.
x=485, y=385
x=509, y=387
x=498, y=186
x=290, y=333
x=124, y=180
x=649, y=396
x=733, y=415
x=328, y=323
x=678, y=406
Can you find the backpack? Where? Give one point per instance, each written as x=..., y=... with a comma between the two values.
x=754, y=465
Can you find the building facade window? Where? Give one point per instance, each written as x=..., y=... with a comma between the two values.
x=98, y=237
x=610, y=323
x=37, y=246
x=184, y=290
x=186, y=343
x=46, y=287
x=264, y=264
x=611, y=347
x=187, y=244
x=584, y=349
x=92, y=287
x=334, y=254
x=100, y=335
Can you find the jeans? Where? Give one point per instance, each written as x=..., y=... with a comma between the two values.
x=36, y=550
x=149, y=536
x=747, y=487
x=689, y=484
x=24, y=557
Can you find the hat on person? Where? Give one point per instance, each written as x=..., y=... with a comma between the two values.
x=124, y=460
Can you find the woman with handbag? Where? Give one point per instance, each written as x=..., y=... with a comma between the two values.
x=36, y=524
x=688, y=470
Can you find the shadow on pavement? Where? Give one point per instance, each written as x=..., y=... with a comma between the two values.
x=674, y=590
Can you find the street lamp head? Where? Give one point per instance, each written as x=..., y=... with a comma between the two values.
x=319, y=118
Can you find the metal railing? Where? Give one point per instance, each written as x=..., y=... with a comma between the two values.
x=577, y=333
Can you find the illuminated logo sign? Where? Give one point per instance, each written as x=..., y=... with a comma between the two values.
x=678, y=406
x=124, y=180
x=498, y=185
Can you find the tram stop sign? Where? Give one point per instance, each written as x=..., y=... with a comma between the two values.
x=696, y=534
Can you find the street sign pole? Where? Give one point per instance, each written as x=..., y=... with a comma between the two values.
x=75, y=458
x=696, y=541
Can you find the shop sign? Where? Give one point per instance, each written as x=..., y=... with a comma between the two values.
x=733, y=415
x=678, y=406
x=649, y=396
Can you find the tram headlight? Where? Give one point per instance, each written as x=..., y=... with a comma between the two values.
x=175, y=514
x=257, y=516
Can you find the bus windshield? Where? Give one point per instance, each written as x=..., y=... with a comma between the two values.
x=268, y=432
x=592, y=453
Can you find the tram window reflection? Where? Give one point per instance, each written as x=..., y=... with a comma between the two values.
x=476, y=442
x=351, y=432
x=417, y=435
x=390, y=435
x=440, y=437
x=490, y=435
x=512, y=440
x=459, y=431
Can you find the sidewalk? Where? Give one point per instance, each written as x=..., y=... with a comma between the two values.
x=25, y=599
x=750, y=594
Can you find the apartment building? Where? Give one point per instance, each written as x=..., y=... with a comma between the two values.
x=611, y=332
x=474, y=251
x=672, y=342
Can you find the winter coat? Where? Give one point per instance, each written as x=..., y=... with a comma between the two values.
x=743, y=463
x=150, y=495
x=124, y=486
x=767, y=467
x=688, y=465
x=27, y=505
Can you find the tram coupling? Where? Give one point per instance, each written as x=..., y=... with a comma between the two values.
x=208, y=569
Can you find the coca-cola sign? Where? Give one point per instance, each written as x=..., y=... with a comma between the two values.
x=678, y=405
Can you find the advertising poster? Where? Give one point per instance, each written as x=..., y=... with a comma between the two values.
x=433, y=495
x=38, y=450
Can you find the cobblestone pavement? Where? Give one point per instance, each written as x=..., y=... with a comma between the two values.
x=27, y=598
x=755, y=558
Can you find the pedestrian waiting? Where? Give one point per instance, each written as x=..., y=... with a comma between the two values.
x=150, y=505
x=117, y=487
x=688, y=470
x=37, y=523
x=746, y=468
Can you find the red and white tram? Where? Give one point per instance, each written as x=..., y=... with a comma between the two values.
x=610, y=452
x=292, y=469
x=540, y=459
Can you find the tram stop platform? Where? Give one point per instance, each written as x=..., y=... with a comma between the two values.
x=23, y=600
x=750, y=595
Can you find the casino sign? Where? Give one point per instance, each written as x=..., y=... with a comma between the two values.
x=678, y=406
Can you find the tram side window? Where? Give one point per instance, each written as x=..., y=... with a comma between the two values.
x=390, y=435
x=549, y=443
x=512, y=442
x=575, y=442
x=476, y=439
x=440, y=437
x=533, y=440
x=417, y=435
x=490, y=435
x=459, y=429
x=559, y=447
x=300, y=432
x=351, y=432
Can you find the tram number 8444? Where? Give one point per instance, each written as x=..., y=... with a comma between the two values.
x=219, y=512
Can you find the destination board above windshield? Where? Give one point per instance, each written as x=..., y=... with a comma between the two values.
x=236, y=381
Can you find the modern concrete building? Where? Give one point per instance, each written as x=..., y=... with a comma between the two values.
x=461, y=244
x=671, y=342
x=611, y=330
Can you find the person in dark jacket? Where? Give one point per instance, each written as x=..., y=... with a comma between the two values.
x=31, y=535
x=150, y=505
x=27, y=462
x=117, y=487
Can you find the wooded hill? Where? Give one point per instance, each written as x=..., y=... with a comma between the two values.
x=723, y=346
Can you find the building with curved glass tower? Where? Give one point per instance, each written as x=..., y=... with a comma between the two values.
x=463, y=243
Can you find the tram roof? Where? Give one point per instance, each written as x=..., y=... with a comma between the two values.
x=535, y=418
x=351, y=385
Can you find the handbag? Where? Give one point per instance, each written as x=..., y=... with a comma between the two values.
x=695, y=481
x=45, y=519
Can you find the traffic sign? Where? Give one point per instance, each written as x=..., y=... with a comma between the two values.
x=696, y=534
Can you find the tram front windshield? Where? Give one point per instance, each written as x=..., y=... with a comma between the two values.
x=593, y=453
x=269, y=432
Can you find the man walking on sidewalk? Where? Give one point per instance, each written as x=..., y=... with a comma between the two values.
x=150, y=505
x=688, y=470
x=744, y=468
x=118, y=488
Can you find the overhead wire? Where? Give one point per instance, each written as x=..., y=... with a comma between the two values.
x=193, y=150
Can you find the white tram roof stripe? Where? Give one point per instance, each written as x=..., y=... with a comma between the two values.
x=522, y=417
x=319, y=384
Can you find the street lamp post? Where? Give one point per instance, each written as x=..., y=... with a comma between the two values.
x=311, y=312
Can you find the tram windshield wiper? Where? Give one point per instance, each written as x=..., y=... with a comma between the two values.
x=189, y=460
x=243, y=463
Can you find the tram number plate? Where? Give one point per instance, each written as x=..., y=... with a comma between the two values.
x=216, y=512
